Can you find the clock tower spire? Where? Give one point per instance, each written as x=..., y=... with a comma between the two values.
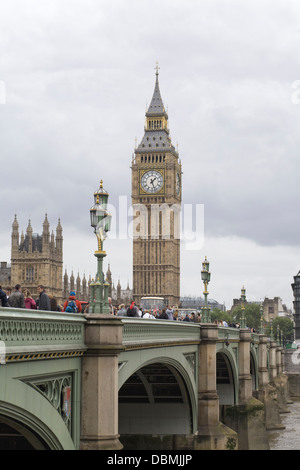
x=156, y=199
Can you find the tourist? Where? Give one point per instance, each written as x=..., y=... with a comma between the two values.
x=193, y=317
x=72, y=305
x=132, y=311
x=8, y=291
x=170, y=313
x=29, y=301
x=54, y=307
x=16, y=299
x=3, y=298
x=149, y=315
x=163, y=315
x=122, y=311
x=110, y=305
x=186, y=318
x=43, y=301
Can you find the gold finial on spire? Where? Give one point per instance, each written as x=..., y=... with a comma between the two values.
x=157, y=68
x=101, y=184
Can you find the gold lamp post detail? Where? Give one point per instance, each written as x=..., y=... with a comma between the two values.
x=100, y=221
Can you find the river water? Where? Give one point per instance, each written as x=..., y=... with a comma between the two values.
x=288, y=438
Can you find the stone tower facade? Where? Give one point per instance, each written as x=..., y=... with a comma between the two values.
x=156, y=200
x=37, y=259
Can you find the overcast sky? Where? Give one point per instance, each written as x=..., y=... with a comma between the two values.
x=75, y=79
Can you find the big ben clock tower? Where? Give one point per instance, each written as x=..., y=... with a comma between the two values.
x=156, y=200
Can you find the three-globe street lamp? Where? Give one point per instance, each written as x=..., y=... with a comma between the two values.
x=205, y=276
x=100, y=221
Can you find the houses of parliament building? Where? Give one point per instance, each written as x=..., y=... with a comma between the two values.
x=38, y=259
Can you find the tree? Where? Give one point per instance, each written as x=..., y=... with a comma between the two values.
x=286, y=327
x=219, y=315
x=252, y=315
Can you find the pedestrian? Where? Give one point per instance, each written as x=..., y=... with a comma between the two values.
x=186, y=318
x=8, y=291
x=149, y=315
x=30, y=303
x=132, y=311
x=163, y=315
x=54, y=307
x=170, y=312
x=110, y=306
x=16, y=299
x=72, y=305
x=43, y=301
x=3, y=298
x=122, y=311
x=193, y=317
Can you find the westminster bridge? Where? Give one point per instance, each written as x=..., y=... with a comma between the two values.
x=72, y=381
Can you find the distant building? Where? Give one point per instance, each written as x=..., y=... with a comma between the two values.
x=272, y=308
x=296, y=292
x=117, y=294
x=5, y=274
x=80, y=287
x=197, y=303
x=37, y=259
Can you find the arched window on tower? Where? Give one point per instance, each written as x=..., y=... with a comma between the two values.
x=29, y=274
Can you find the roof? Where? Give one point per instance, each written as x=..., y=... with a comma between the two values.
x=156, y=140
x=156, y=107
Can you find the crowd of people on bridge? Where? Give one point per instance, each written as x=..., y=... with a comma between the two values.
x=21, y=298
x=167, y=313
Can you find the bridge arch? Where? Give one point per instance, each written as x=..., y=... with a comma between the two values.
x=254, y=368
x=158, y=397
x=226, y=377
x=32, y=417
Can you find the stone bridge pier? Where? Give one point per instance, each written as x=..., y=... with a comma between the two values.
x=99, y=402
x=211, y=433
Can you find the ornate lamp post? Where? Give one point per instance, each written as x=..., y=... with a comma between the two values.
x=243, y=298
x=271, y=331
x=100, y=221
x=278, y=335
x=205, y=276
x=262, y=329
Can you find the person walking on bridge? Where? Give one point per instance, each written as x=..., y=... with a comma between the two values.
x=170, y=313
x=16, y=299
x=43, y=301
x=3, y=298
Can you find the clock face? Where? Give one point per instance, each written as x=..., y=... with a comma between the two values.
x=177, y=184
x=152, y=181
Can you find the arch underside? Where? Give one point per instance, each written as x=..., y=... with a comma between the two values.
x=155, y=400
